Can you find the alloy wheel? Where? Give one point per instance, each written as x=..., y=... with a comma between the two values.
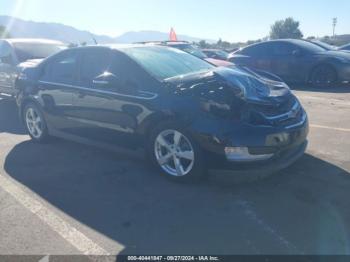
x=34, y=122
x=174, y=152
x=323, y=76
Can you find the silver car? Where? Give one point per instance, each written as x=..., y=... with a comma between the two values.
x=16, y=54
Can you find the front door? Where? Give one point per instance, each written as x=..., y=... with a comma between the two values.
x=107, y=107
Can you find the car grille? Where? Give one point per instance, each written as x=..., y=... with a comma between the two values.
x=273, y=110
x=288, y=114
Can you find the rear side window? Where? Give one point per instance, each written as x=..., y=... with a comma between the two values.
x=64, y=68
x=282, y=49
x=93, y=64
x=256, y=50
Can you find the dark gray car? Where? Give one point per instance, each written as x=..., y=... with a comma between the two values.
x=15, y=54
x=296, y=61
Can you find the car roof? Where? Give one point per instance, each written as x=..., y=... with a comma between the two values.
x=33, y=40
x=118, y=47
x=292, y=41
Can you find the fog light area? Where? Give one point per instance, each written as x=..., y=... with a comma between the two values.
x=241, y=154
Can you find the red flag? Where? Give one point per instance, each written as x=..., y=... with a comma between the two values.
x=172, y=35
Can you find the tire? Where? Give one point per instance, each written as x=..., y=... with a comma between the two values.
x=183, y=160
x=35, y=123
x=323, y=76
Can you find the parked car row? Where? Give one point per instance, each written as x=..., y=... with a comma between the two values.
x=294, y=61
x=188, y=114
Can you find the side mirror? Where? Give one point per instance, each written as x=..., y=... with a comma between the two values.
x=106, y=79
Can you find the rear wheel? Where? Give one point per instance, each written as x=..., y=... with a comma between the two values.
x=35, y=123
x=175, y=153
x=323, y=76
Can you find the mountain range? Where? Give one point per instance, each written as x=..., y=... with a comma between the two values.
x=19, y=28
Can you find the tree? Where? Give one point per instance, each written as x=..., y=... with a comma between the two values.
x=203, y=44
x=3, y=32
x=287, y=28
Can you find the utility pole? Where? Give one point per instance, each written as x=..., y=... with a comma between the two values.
x=335, y=21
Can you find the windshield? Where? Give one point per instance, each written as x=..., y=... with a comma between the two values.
x=26, y=51
x=312, y=47
x=191, y=50
x=324, y=45
x=165, y=63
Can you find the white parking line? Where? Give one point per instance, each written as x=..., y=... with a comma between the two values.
x=57, y=224
x=331, y=128
x=335, y=101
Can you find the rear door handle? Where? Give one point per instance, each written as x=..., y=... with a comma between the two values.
x=81, y=94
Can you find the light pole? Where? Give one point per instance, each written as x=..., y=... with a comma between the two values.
x=335, y=21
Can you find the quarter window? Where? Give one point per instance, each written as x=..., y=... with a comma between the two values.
x=63, y=69
x=257, y=50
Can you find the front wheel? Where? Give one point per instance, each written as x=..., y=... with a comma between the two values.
x=323, y=76
x=35, y=123
x=176, y=153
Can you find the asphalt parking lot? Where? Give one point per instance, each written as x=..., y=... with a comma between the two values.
x=69, y=198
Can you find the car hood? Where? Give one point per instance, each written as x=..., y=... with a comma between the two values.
x=335, y=54
x=29, y=63
x=235, y=82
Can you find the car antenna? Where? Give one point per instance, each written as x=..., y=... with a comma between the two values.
x=93, y=38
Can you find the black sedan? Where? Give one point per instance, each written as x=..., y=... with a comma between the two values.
x=297, y=61
x=188, y=114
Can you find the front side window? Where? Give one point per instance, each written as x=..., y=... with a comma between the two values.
x=93, y=64
x=163, y=63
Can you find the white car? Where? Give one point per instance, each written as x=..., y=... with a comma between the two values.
x=16, y=53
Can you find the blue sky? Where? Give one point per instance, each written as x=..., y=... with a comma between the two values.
x=232, y=20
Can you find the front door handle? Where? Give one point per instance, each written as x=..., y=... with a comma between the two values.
x=100, y=82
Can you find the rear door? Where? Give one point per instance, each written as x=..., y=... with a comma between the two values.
x=256, y=56
x=56, y=86
x=283, y=60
